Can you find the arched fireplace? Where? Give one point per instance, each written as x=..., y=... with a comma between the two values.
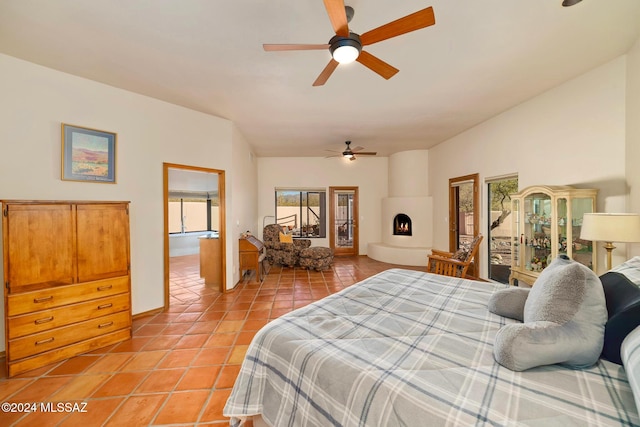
x=402, y=225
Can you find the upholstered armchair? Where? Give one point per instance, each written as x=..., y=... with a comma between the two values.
x=283, y=253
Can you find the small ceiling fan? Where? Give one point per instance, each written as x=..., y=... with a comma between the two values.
x=350, y=153
x=346, y=46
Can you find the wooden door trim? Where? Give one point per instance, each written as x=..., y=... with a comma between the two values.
x=453, y=214
x=223, y=222
x=332, y=217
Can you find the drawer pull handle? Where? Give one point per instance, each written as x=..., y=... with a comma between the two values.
x=43, y=320
x=105, y=325
x=47, y=341
x=105, y=287
x=103, y=306
x=43, y=299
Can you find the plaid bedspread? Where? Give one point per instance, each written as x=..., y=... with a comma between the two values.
x=406, y=348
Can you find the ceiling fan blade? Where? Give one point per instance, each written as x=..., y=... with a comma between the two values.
x=337, y=16
x=366, y=153
x=377, y=65
x=279, y=47
x=326, y=73
x=357, y=148
x=415, y=21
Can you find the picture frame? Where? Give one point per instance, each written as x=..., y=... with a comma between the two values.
x=88, y=155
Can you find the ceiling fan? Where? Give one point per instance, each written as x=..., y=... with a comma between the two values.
x=346, y=46
x=350, y=153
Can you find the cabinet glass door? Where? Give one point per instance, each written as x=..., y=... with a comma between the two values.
x=537, y=231
x=517, y=241
x=582, y=250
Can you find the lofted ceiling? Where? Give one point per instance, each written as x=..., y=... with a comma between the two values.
x=479, y=59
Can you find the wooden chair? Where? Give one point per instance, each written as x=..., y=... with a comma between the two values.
x=453, y=264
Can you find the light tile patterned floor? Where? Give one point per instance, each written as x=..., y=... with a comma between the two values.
x=180, y=365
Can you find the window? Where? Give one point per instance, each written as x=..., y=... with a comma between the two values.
x=193, y=212
x=499, y=193
x=302, y=212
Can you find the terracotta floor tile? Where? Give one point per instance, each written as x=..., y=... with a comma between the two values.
x=192, y=341
x=79, y=387
x=237, y=354
x=132, y=345
x=213, y=409
x=205, y=327
x=137, y=410
x=11, y=387
x=245, y=337
x=227, y=376
x=120, y=384
x=199, y=378
x=178, y=358
x=74, y=365
x=40, y=389
x=254, y=324
x=211, y=356
x=229, y=326
x=182, y=407
x=221, y=340
x=163, y=380
x=162, y=342
x=41, y=419
x=145, y=360
x=109, y=363
x=98, y=410
x=177, y=328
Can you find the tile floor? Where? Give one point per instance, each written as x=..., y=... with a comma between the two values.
x=180, y=365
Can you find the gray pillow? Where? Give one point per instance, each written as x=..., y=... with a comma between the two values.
x=564, y=317
x=509, y=302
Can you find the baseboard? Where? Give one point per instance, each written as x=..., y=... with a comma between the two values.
x=147, y=313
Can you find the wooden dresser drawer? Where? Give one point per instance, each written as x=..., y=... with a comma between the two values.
x=29, y=302
x=37, y=343
x=45, y=320
x=55, y=355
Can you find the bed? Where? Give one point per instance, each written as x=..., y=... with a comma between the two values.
x=408, y=348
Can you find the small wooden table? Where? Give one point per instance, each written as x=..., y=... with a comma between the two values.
x=251, y=255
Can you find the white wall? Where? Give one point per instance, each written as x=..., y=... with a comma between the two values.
x=242, y=197
x=633, y=134
x=368, y=174
x=573, y=134
x=36, y=100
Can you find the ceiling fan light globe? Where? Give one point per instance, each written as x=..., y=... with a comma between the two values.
x=346, y=54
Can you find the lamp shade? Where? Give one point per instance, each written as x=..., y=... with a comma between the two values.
x=611, y=227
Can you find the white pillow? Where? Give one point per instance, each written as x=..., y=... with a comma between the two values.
x=630, y=268
x=630, y=352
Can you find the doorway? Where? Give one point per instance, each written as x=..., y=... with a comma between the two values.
x=194, y=209
x=343, y=214
x=464, y=214
x=499, y=191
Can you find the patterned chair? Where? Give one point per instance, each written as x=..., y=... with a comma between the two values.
x=453, y=263
x=279, y=252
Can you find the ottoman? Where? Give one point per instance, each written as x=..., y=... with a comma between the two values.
x=316, y=257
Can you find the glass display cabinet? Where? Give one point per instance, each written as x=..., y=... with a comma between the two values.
x=546, y=222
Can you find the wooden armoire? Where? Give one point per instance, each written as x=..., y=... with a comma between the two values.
x=67, y=279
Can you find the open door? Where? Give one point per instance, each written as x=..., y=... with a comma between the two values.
x=464, y=214
x=194, y=207
x=343, y=214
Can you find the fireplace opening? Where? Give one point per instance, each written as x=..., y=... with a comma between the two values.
x=402, y=225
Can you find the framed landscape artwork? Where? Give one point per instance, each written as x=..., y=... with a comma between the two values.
x=88, y=154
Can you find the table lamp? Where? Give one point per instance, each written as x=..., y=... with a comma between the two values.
x=609, y=228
